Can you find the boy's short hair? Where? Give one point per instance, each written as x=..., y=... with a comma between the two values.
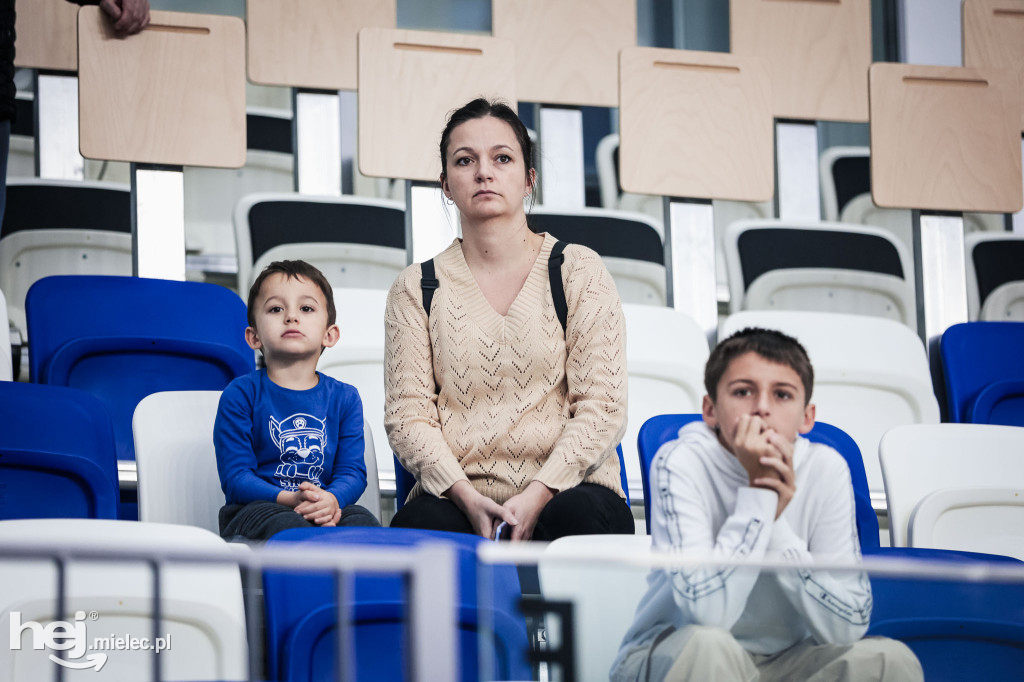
x=292, y=269
x=771, y=345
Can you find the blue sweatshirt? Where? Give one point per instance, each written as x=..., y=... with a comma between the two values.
x=270, y=439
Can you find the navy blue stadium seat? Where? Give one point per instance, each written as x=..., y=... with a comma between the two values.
x=123, y=338
x=959, y=629
x=659, y=430
x=301, y=611
x=56, y=454
x=983, y=364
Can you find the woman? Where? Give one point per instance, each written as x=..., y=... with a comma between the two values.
x=500, y=414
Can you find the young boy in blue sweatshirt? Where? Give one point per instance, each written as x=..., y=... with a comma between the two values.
x=289, y=440
x=743, y=485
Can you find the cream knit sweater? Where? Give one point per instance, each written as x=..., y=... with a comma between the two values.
x=503, y=401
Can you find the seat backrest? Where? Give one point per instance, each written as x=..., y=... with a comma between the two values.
x=870, y=374
x=980, y=356
x=985, y=520
x=604, y=597
x=6, y=360
x=177, y=461
x=202, y=619
x=57, y=456
x=301, y=639
x=839, y=268
x=661, y=429
x=330, y=232
x=922, y=458
x=61, y=227
x=994, y=259
x=665, y=356
x=1006, y=302
x=845, y=173
x=123, y=338
x=358, y=359
x=629, y=243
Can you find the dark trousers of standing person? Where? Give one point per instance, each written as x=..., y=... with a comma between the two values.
x=586, y=509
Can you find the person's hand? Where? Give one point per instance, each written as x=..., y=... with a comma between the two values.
x=779, y=475
x=751, y=443
x=334, y=520
x=483, y=513
x=526, y=507
x=318, y=506
x=289, y=498
x=128, y=16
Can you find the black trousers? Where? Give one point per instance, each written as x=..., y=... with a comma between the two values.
x=587, y=509
x=261, y=519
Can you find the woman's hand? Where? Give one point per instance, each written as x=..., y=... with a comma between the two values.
x=526, y=507
x=483, y=513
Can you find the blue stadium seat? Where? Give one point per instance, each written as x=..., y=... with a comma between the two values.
x=404, y=481
x=123, y=338
x=56, y=454
x=301, y=612
x=663, y=428
x=959, y=629
x=984, y=369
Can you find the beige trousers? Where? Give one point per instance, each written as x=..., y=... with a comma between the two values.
x=708, y=653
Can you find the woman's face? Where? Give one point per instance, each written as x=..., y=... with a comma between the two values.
x=487, y=175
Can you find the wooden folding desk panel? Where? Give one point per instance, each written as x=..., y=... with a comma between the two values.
x=409, y=82
x=173, y=94
x=817, y=53
x=567, y=50
x=695, y=125
x=47, y=36
x=994, y=36
x=945, y=138
x=312, y=43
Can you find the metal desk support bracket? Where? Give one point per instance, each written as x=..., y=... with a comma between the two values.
x=431, y=223
x=939, y=274
x=797, y=194
x=317, y=132
x=158, y=221
x=56, y=126
x=562, y=178
x=690, y=261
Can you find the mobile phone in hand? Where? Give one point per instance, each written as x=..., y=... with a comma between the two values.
x=503, y=531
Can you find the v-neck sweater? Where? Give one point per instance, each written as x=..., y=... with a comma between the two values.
x=503, y=400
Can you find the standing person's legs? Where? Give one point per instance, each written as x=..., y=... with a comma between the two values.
x=432, y=513
x=587, y=509
x=872, y=659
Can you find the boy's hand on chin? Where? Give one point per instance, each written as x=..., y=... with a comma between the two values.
x=751, y=444
x=779, y=475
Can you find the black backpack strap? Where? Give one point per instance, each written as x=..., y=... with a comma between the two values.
x=555, y=261
x=428, y=283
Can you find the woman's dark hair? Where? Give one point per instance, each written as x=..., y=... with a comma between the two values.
x=481, y=108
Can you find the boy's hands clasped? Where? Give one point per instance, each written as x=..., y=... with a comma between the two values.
x=767, y=457
x=315, y=504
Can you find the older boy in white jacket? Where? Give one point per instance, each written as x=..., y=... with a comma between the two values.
x=742, y=485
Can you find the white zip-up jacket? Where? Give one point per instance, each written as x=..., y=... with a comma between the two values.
x=703, y=506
